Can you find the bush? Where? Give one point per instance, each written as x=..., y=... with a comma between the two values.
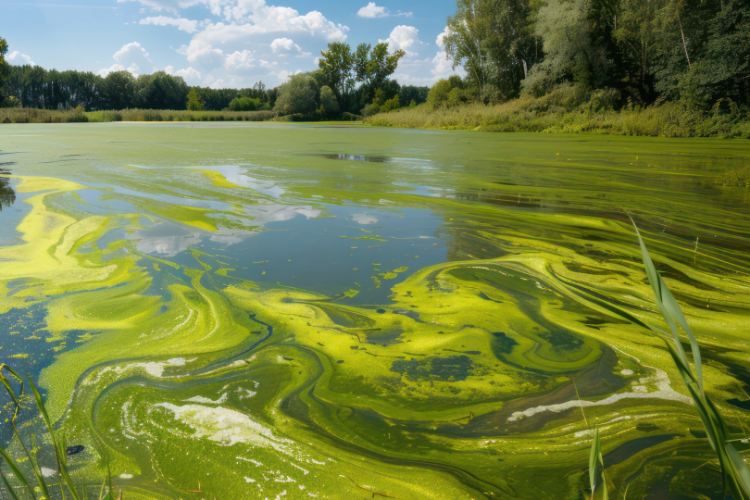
x=245, y=104
x=298, y=96
x=328, y=101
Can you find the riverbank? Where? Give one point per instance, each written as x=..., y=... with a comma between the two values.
x=547, y=115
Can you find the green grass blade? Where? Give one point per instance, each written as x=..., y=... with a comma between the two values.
x=59, y=454
x=6, y=384
x=670, y=310
x=593, y=457
x=8, y=487
x=742, y=475
x=17, y=472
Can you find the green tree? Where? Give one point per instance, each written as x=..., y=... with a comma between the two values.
x=195, y=101
x=119, y=90
x=4, y=68
x=373, y=67
x=494, y=41
x=161, y=91
x=336, y=65
x=298, y=96
x=328, y=101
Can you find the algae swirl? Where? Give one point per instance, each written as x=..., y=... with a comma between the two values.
x=450, y=323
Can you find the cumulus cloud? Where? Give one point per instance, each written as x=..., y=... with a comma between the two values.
x=180, y=23
x=191, y=75
x=129, y=51
x=282, y=44
x=440, y=42
x=240, y=60
x=403, y=37
x=442, y=65
x=18, y=59
x=128, y=58
x=218, y=84
x=202, y=53
x=266, y=64
x=133, y=68
x=284, y=74
x=371, y=11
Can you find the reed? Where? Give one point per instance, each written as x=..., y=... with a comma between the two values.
x=161, y=115
x=31, y=115
x=734, y=470
x=58, y=446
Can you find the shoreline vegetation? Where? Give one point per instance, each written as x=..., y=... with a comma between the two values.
x=566, y=110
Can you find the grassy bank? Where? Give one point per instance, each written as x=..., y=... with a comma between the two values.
x=551, y=114
x=158, y=115
x=31, y=115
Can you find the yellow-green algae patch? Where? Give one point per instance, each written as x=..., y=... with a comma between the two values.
x=450, y=390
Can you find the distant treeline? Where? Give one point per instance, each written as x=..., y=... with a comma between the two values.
x=36, y=87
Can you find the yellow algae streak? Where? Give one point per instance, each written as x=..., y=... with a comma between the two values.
x=218, y=180
x=48, y=240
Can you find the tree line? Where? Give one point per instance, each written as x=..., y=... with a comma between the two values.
x=640, y=51
x=347, y=81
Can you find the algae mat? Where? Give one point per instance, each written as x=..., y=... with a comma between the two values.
x=296, y=311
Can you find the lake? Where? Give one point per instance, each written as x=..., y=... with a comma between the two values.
x=232, y=310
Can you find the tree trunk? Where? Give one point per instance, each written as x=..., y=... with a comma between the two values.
x=684, y=44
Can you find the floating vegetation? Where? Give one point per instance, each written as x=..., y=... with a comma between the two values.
x=198, y=336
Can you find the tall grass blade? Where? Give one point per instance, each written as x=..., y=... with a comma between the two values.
x=59, y=454
x=8, y=487
x=735, y=472
x=17, y=472
x=594, y=458
x=671, y=312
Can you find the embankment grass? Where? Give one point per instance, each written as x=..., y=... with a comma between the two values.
x=545, y=115
x=31, y=115
x=160, y=115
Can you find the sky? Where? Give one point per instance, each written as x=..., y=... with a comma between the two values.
x=222, y=43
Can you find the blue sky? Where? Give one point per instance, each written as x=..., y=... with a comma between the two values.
x=221, y=43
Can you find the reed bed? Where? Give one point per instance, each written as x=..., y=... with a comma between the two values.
x=161, y=115
x=540, y=115
x=32, y=115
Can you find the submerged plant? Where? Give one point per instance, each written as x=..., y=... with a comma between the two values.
x=59, y=447
x=735, y=472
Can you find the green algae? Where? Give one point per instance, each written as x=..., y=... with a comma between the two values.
x=449, y=390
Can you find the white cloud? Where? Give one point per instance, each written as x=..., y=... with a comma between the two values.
x=282, y=43
x=191, y=75
x=240, y=60
x=442, y=66
x=440, y=42
x=266, y=64
x=202, y=53
x=218, y=84
x=18, y=59
x=180, y=23
x=133, y=68
x=284, y=74
x=129, y=51
x=403, y=37
x=371, y=11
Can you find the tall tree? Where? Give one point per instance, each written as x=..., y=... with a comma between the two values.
x=373, y=67
x=336, y=65
x=4, y=67
x=119, y=90
x=494, y=41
